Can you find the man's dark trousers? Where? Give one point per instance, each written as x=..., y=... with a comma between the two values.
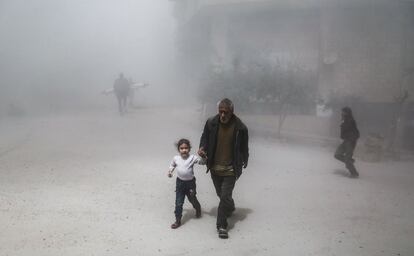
x=122, y=99
x=344, y=153
x=224, y=186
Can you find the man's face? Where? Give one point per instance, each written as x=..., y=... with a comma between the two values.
x=225, y=113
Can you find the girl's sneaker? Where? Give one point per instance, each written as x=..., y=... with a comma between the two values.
x=176, y=224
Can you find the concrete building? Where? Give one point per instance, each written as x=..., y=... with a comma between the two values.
x=360, y=48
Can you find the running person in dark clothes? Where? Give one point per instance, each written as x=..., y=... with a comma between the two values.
x=350, y=136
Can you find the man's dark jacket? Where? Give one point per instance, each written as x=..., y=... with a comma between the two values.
x=240, y=143
x=349, y=130
x=121, y=86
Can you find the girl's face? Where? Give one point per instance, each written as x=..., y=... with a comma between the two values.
x=184, y=149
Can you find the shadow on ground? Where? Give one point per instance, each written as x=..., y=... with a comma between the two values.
x=239, y=214
x=341, y=172
x=189, y=214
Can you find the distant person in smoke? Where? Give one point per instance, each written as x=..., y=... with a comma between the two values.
x=186, y=182
x=350, y=136
x=121, y=90
x=225, y=144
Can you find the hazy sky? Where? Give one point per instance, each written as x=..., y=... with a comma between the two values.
x=80, y=42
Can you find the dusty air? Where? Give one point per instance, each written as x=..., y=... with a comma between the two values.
x=195, y=127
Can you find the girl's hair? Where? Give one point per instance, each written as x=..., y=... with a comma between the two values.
x=181, y=142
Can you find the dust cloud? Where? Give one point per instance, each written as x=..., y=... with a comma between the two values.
x=81, y=174
x=59, y=55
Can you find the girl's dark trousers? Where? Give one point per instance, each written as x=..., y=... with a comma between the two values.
x=185, y=188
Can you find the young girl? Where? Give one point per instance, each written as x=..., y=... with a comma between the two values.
x=186, y=182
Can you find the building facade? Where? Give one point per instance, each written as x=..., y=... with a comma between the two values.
x=359, y=48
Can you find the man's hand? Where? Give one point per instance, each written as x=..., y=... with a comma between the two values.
x=169, y=174
x=202, y=153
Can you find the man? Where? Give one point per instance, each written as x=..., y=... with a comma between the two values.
x=225, y=144
x=350, y=135
x=121, y=90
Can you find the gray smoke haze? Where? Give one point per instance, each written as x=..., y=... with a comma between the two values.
x=272, y=58
x=52, y=51
x=81, y=175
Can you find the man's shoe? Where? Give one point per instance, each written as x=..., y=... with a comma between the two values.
x=222, y=233
x=176, y=224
